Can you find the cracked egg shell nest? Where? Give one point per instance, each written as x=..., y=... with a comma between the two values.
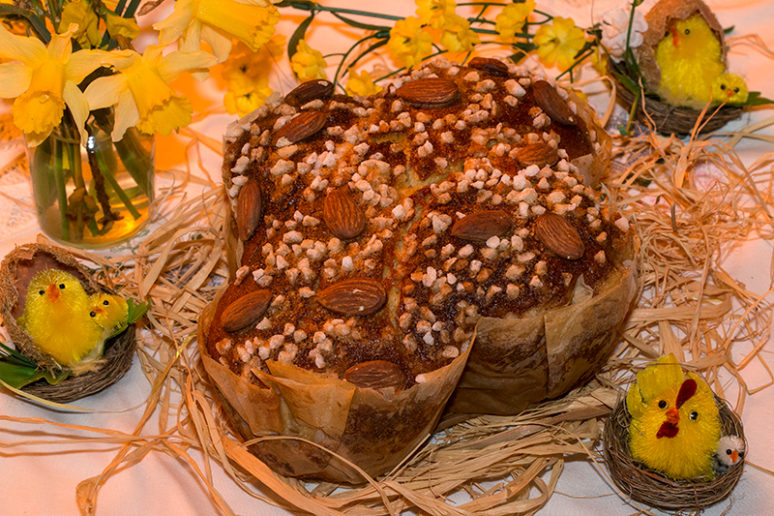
x=371, y=236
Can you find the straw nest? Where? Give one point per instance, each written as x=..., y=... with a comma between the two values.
x=16, y=271
x=645, y=485
x=669, y=119
x=665, y=117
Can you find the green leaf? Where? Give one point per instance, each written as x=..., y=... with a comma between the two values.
x=18, y=376
x=35, y=22
x=136, y=311
x=728, y=30
x=755, y=99
x=298, y=35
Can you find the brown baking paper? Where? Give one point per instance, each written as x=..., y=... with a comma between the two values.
x=374, y=429
x=520, y=361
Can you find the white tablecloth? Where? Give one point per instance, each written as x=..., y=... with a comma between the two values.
x=39, y=473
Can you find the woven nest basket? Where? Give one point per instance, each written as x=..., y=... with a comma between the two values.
x=647, y=486
x=669, y=119
x=16, y=271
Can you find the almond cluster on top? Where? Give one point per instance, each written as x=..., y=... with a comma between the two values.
x=373, y=232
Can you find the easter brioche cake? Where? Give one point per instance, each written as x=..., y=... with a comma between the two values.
x=371, y=238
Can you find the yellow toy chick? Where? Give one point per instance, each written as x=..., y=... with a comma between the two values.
x=675, y=425
x=110, y=312
x=690, y=60
x=56, y=316
x=729, y=88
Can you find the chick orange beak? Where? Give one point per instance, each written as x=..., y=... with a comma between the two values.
x=734, y=456
x=673, y=416
x=53, y=292
x=675, y=35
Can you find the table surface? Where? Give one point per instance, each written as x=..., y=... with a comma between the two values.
x=41, y=464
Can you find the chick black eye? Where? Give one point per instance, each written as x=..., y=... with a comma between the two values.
x=728, y=451
x=722, y=86
x=736, y=90
x=662, y=404
x=61, y=285
x=687, y=31
x=694, y=415
x=41, y=292
x=106, y=302
x=93, y=314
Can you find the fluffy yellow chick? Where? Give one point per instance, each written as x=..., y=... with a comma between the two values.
x=675, y=425
x=56, y=316
x=110, y=312
x=729, y=88
x=689, y=58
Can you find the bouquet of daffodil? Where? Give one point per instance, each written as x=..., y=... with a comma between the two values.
x=438, y=27
x=89, y=103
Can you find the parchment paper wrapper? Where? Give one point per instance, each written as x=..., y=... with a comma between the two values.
x=374, y=429
x=520, y=361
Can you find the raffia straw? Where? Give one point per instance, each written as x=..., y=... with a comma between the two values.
x=495, y=465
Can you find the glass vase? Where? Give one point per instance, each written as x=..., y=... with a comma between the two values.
x=94, y=195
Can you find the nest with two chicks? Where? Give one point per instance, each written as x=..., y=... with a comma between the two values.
x=676, y=78
x=656, y=489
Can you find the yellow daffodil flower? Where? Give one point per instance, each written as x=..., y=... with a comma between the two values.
x=362, y=84
x=457, y=36
x=44, y=79
x=308, y=63
x=512, y=19
x=82, y=14
x=120, y=26
x=435, y=12
x=408, y=43
x=559, y=42
x=246, y=94
x=246, y=76
x=141, y=91
x=216, y=21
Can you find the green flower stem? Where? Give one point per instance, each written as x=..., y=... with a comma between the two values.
x=102, y=167
x=136, y=159
x=312, y=7
x=131, y=8
x=346, y=54
x=35, y=22
x=577, y=62
x=58, y=172
x=99, y=183
x=365, y=52
x=632, y=111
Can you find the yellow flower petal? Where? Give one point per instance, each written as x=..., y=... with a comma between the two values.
x=125, y=115
x=167, y=116
x=80, y=13
x=36, y=113
x=408, y=43
x=362, y=84
x=120, y=26
x=175, y=25
x=103, y=91
x=176, y=63
x=220, y=44
x=82, y=63
x=14, y=79
x=79, y=107
x=20, y=48
x=308, y=63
